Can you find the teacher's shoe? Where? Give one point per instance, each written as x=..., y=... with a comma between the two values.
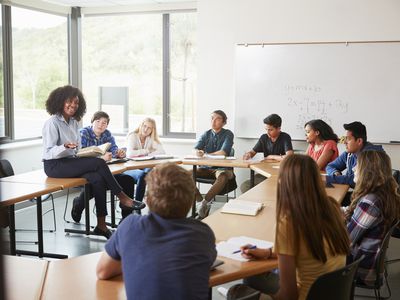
x=107, y=234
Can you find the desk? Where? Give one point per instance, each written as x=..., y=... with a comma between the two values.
x=223, y=163
x=24, y=277
x=75, y=278
x=13, y=192
x=66, y=279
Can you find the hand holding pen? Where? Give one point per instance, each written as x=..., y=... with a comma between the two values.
x=252, y=252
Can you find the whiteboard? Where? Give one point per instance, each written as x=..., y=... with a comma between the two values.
x=337, y=82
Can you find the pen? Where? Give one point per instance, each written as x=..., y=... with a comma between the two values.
x=237, y=251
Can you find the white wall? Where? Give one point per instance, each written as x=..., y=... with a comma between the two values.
x=224, y=23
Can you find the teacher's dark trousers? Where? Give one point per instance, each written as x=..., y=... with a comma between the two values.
x=93, y=169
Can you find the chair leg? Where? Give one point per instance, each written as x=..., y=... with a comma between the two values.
x=65, y=208
x=54, y=213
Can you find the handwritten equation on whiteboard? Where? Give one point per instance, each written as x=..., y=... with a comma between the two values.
x=310, y=102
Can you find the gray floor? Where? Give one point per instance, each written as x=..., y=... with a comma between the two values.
x=75, y=244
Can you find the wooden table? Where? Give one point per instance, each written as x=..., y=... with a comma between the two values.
x=75, y=278
x=223, y=163
x=24, y=277
x=13, y=192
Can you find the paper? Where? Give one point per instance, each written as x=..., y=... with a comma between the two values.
x=230, y=158
x=163, y=156
x=242, y=207
x=226, y=248
x=212, y=156
x=141, y=158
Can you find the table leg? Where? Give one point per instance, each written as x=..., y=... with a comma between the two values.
x=194, y=200
x=39, y=220
x=252, y=178
x=11, y=217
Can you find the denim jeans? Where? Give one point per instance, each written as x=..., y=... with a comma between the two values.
x=138, y=176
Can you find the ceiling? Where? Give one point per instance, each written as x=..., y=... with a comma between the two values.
x=108, y=3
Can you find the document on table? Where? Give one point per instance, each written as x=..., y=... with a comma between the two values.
x=226, y=248
x=241, y=207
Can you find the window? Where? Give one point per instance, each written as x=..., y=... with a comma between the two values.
x=182, y=72
x=123, y=51
x=40, y=64
x=127, y=51
x=151, y=56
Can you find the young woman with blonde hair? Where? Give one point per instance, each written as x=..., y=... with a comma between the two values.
x=375, y=205
x=310, y=237
x=142, y=141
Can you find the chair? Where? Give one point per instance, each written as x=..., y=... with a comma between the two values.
x=7, y=170
x=231, y=186
x=338, y=284
x=242, y=292
x=396, y=231
x=380, y=267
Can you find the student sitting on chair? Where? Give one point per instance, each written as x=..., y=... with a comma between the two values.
x=356, y=142
x=375, y=205
x=310, y=238
x=162, y=255
x=322, y=142
x=95, y=135
x=215, y=141
x=143, y=141
x=61, y=140
x=275, y=145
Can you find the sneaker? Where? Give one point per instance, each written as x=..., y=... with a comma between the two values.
x=204, y=209
x=76, y=211
x=223, y=291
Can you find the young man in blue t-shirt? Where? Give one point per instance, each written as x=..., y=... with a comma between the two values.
x=162, y=255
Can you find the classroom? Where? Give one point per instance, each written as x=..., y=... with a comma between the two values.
x=218, y=28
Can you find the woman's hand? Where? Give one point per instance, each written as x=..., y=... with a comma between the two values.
x=121, y=153
x=70, y=145
x=256, y=253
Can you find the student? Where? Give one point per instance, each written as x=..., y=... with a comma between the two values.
x=61, y=140
x=95, y=135
x=215, y=141
x=143, y=141
x=322, y=142
x=356, y=142
x=375, y=205
x=302, y=206
x=162, y=255
x=275, y=145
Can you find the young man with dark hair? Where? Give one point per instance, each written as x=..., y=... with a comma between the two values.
x=356, y=142
x=275, y=144
x=215, y=141
x=162, y=255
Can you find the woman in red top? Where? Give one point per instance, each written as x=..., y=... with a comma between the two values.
x=322, y=142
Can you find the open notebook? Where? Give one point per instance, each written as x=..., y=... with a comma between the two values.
x=230, y=247
x=241, y=207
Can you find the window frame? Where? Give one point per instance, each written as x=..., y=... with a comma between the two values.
x=75, y=66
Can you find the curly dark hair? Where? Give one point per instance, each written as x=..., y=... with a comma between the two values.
x=55, y=101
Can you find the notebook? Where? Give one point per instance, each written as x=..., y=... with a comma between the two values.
x=226, y=248
x=241, y=207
